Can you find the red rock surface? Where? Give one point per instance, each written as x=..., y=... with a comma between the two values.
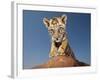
x=61, y=61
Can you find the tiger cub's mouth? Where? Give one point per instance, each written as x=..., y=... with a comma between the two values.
x=57, y=44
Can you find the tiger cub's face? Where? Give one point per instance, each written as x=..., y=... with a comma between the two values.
x=56, y=27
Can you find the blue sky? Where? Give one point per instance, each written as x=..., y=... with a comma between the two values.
x=37, y=42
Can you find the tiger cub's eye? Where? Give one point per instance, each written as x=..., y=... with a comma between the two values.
x=51, y=31
x=61, y=30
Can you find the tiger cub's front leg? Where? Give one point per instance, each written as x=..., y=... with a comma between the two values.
x=53, y=51
x=62, y=48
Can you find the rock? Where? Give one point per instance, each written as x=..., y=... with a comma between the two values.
x=61, y=61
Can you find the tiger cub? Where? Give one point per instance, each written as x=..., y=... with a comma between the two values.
x=57, y=29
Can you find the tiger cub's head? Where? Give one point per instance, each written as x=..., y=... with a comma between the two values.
x=56, y=27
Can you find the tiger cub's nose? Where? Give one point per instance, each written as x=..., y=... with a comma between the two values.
x=56, y=38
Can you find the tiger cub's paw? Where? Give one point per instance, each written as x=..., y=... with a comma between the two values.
x=59, y=53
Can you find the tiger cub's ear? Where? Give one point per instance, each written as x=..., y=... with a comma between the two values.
x=64, y=18
x=46, y=22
